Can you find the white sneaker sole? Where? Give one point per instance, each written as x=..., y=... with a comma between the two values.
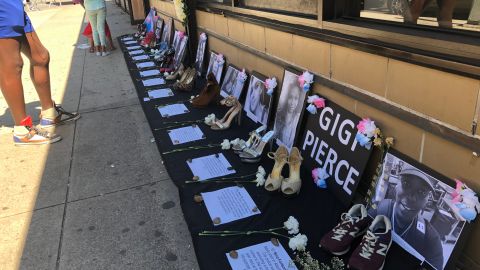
x=40, y=143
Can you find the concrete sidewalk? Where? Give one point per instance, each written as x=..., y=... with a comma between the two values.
x=100, y=198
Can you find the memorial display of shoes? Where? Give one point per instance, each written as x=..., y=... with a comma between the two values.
x=255, y=136
x=179, y=72
x=291, y=185
x=235, y=112
x=370, y=254
x=209, y=93
x=188, y=82
x=275, y=178
x=352, y=224
x=198, y=155
x=253, y=154
x=229, y=101
x=372, y=251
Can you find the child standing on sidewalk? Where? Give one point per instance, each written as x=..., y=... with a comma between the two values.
x=97, y=13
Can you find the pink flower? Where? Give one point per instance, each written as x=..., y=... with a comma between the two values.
x=301, y=80
x=319, y=103
x=361, y=125
x=181, y=34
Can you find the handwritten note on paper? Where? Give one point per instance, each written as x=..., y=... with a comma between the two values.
x=264, y=256
x=154, y=81
x=140, y=57
x=173, y=109
x=204, y=168
x=135, y=52
x=145, y=65
x=160, y=93
x=151, y=72
x=229, y=204
x=186, y=134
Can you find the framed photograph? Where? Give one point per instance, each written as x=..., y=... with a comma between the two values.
x=158, y=28
x=202, y=44
x=414, y=197
x=167, y=31
x=232, y=84
x=258, y=103
x=180, y=52
x=177, y=40
x=289, y=110
x=215, y=67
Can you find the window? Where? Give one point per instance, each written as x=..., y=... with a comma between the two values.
x=445, y=14
x=304, y=8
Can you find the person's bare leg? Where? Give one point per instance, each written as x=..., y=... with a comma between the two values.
x=11, y=65
x=445, y=15
x=39, y=68
x=415, y=10
x=92, y=46
x=111, y=47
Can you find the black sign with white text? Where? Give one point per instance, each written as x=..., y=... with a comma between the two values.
x=328, y=142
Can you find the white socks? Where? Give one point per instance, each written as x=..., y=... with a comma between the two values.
x=49, y=113
x=20, y=130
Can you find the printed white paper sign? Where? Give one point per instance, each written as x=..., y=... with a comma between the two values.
x=136, y=47
x=140, y=57
x=211, y=166
x=264, y=256
x=151, y=72
x=229, y=204
x=173, y=109
x=160, y=93
x=185, y=134
x=154, y=81
x=145, y=65
x=135, y=52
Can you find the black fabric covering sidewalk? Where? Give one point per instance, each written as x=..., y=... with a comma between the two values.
x=317, y=210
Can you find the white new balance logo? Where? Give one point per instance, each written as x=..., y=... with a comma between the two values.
x=382, y=249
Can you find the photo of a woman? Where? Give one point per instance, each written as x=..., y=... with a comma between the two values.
x=200, y=55
x=289, y=110
x=214, y=67
x=180, y=54
x=257, y=104
x=167, y=31
x=231, y=85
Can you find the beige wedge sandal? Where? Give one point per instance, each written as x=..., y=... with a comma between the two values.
x=275, y=178
x=291, y=185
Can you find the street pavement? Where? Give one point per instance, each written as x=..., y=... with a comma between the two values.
x=100, y=198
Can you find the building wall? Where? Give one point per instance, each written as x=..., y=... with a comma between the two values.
x=448, y=98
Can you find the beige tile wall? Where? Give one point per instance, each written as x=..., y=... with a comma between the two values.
x=447, y=97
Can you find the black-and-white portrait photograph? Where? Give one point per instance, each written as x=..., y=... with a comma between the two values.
x=158, y=28
x=289, y=110
x=232, y=85
x=215, y=67
x=177, y=40
x=422, y=222
x=257, y=103
x=180, y=52
x=167, y=31
x=202, y=44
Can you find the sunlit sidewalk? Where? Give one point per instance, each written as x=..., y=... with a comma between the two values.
x=100, y=198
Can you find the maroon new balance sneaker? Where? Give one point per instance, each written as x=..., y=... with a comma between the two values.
x=353, y=224
x=371, y=253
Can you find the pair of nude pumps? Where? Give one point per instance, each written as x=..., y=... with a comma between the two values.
x=288, y=186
